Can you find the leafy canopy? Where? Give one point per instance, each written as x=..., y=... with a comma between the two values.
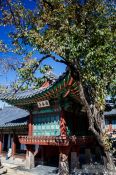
x=82, y=33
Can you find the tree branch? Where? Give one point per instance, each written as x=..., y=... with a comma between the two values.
x=8, y=3
x=54, y=58
x=49, y=4
x=36, y=66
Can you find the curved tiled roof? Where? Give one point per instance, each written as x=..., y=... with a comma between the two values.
x=110, y=113
x=61, y=87
x=13, y=116
x=13, y=124
x=28, y=93
x=21, y=95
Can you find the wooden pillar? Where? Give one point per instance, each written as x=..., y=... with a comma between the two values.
x=30, y=125
x=110, y=125
x=30, y=160
x=63, y=160
x=1, y=142
x=14, y=146
x=63, y=129
x=75, y=158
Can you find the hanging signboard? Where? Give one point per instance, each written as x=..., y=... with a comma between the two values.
x=42, y=104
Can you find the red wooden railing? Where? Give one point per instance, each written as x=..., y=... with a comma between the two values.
x=58, y=141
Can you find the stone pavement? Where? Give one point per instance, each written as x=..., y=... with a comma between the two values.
x=93, y=169
x=46, y=170
x=40, y=170
x=17, y=167
x=3, y=170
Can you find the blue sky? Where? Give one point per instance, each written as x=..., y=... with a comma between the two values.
x=8, y=77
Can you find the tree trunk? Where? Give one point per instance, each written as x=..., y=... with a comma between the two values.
x=96, y=127
x=110, y=164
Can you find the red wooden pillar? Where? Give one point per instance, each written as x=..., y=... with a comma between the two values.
x=63, y=129
x=14, y=146
x=30, y=127
x=110, y=125
x=1, y=142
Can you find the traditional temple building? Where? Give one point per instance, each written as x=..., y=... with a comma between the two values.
x=58, y=124
x=13, y=122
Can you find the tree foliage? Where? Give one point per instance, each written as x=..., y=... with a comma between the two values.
x=82, y=34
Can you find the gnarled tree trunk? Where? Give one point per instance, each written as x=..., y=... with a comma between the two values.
x=95, y=126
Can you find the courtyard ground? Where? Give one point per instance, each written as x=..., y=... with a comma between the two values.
x=17, y=167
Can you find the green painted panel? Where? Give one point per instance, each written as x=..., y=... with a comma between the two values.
x=46, y=125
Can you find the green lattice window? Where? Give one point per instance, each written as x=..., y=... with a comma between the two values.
x=46, y=125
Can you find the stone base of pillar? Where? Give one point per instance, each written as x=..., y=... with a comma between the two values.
x=74, y=161
x=30, y=161
x=88, y=155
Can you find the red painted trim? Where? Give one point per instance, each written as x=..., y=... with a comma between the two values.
x=14, y=146
x=45, y=85
x=43, y=140
x=70, y=82
x=63, y=130
x=30, y=126
x=56, y=141
x=66, y=94
x=110, y=127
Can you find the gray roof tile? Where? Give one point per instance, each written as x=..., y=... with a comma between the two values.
x=110, y=113
x=13, y=116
